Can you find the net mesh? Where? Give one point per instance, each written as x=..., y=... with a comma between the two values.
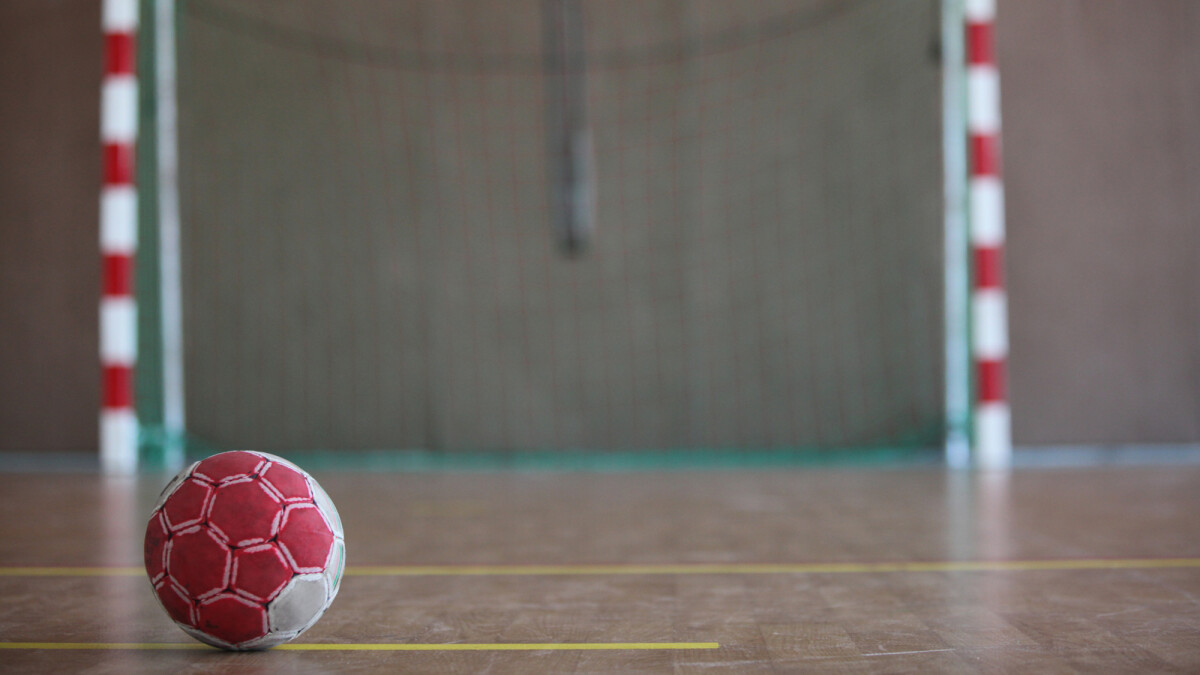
x=369, y=257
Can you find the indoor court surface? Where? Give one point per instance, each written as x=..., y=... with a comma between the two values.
x=820, y=570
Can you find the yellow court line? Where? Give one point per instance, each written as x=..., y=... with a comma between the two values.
x=503, y=646
x=770, y=568
x=377, y=647
x=680, y=569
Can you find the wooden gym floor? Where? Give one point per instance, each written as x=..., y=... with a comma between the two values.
x=914, y=570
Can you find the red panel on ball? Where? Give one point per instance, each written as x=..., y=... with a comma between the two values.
x=185, y=507
x=229, y=465
x=245, y=513
x=232, y=619
x=178, y=607
x=152, y=549
x=260, y=572
x=306, y=538
x=289, y=482
x=198, y=562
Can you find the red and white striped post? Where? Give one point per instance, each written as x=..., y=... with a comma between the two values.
x=118, y=237
x=985, y=196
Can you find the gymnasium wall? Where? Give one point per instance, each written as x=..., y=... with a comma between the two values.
x=49, y=259
x=1101, y=107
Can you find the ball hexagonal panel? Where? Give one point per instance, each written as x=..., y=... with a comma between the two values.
x=198, y=562
x=269, y=640
x=154, y=547
x=171, y=486
x=245, y=512
x=325, y=504
x=186, y=506
x=305, y=538
x=232, y=619
x=206, y=638
x=173, y=599
x=300, y=604
x=229, y=465
x=335, y=569
x=260, y=572
x=291, y=485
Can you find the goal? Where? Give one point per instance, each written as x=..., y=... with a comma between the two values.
x=552, y=226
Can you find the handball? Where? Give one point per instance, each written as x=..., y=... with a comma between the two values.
x=244, y=550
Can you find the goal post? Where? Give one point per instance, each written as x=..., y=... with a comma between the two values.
x=118, y=237
x=371, y=218
x=989, y=301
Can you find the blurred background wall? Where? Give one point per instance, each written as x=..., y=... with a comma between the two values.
x=49, y=239
x=1101, y=105
x=1101, y=108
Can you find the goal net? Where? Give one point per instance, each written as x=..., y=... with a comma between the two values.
x=626, y=225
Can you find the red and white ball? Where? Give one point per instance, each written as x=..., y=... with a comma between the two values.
x=244, y=550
